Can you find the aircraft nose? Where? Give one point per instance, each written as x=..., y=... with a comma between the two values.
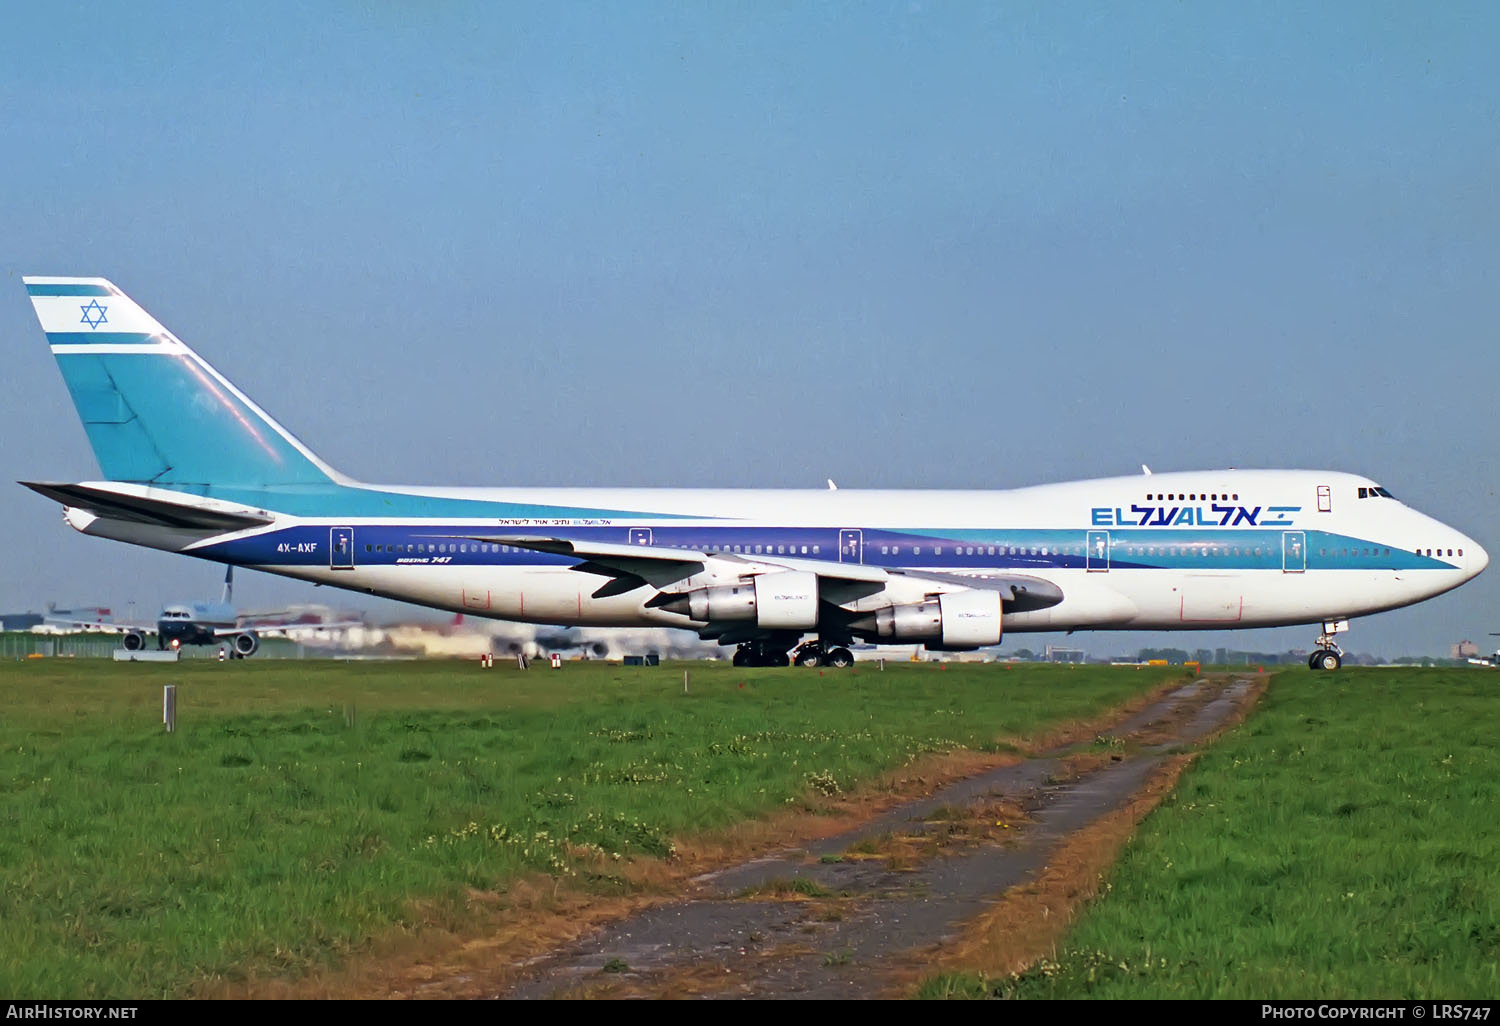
x=1477, y=559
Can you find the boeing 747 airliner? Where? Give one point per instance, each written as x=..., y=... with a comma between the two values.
x=192, y=465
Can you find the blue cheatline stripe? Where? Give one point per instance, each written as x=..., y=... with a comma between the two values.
x=67, y=290
x=102, y=338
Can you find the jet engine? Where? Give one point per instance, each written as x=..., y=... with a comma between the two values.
x=779, y=601
x=133, y=641
x=956, y=620
x=246, y=644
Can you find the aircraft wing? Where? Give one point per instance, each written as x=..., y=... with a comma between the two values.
x=102, y=626
x=1021, y=592
x=285, y=625
x=642, y=564
x=632, y=566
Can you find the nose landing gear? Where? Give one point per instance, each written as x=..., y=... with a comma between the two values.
x=1328, y=655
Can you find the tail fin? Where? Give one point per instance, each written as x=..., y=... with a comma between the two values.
x=154, y=410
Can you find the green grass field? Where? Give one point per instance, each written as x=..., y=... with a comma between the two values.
x=1341, y=844
x=303, y=808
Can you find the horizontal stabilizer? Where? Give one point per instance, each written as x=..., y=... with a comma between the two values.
x=138, y=509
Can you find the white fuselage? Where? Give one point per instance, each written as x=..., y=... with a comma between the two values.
x=1216, y=549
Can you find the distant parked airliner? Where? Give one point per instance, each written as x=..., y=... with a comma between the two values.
x=204, y=623
x=192, y=465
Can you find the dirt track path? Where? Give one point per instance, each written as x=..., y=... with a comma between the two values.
x=857, y=914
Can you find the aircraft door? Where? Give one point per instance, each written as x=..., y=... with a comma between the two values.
x=851, y=546
x=640, y=536
x=1097, y=552
x=341, y=548
x=1293, y=552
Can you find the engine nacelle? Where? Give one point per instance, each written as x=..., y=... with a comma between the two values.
x=779, y=601
x=787, y=600
x=725, y=602
x=133, y=641
x=971, y=619
x=959, y=620
x=246, y=644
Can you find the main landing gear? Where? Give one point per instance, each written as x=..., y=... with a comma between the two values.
x=809, y=653
x=1328, y=655
x=760, y=653
x=812, y=653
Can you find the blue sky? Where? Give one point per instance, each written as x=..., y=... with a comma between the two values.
x=940, y=245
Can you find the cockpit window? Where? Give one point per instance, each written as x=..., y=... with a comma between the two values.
x=1374, y=492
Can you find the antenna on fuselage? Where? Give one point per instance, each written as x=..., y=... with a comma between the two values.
x=831, y=486
x=1145, y=470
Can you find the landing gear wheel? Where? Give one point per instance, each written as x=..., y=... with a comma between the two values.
x=760, y=653
x=809, y=655
x=840, y=657
x=1328, y=655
